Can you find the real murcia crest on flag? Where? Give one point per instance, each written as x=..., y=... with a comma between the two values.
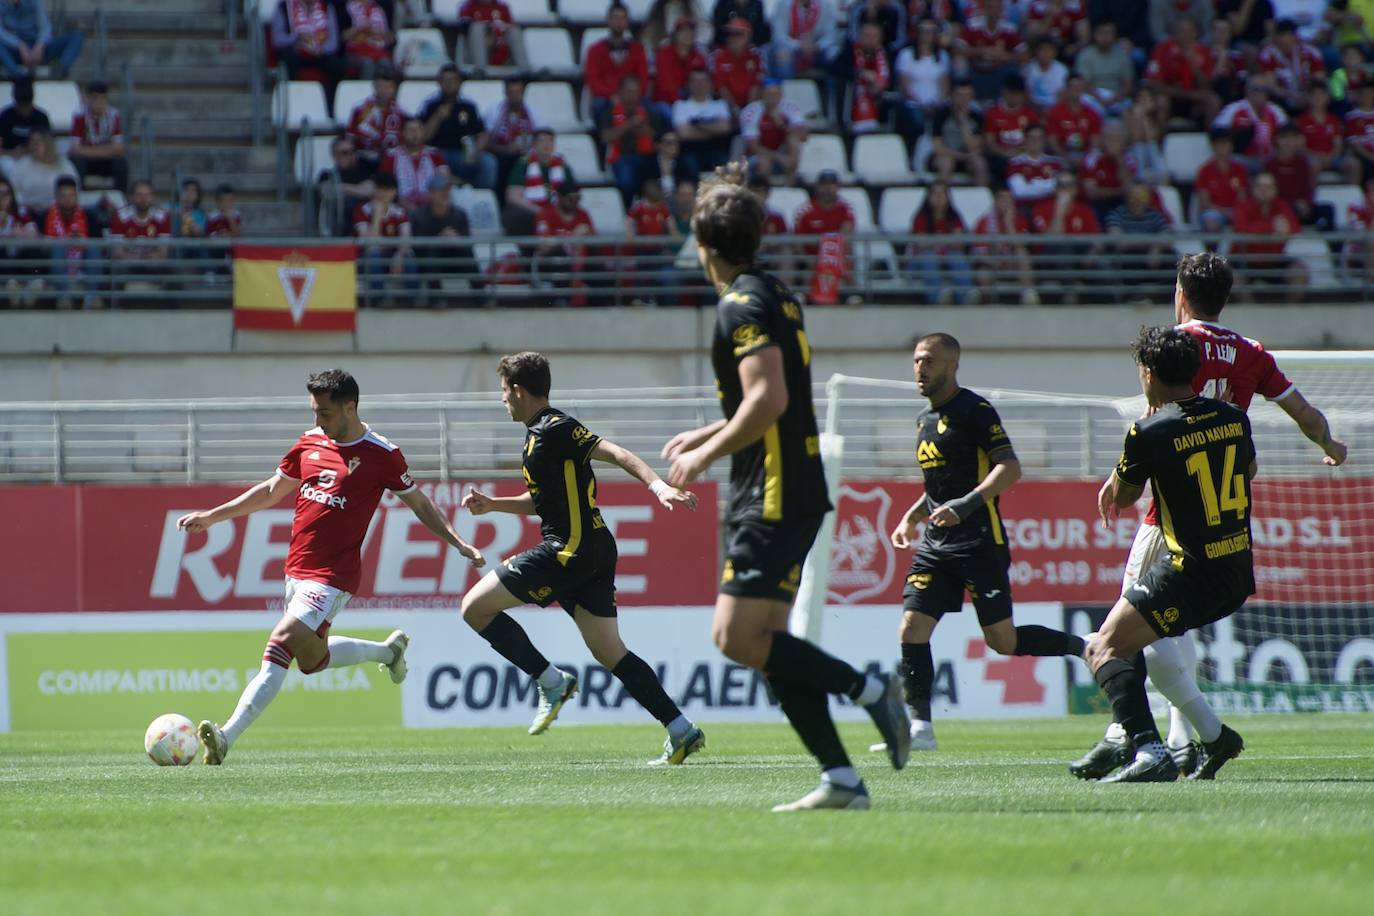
x=297, y=279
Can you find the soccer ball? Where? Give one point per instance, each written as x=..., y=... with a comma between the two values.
x=171, y=741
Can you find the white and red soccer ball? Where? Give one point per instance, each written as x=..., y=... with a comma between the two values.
x=171, y=740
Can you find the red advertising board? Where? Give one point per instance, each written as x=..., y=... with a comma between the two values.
x=1314, y=541
x=114, y=548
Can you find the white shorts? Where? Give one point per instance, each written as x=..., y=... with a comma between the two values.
x=1146, y=549
x=314, y=603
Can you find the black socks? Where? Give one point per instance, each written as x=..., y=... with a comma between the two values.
x=918, y=676
x=1125, y=687
x=642, y=683
x=800, y=662
x=807, y=708
x=1034, y=640
x=509, y=638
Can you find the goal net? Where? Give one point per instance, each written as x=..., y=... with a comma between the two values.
x=1305, y=641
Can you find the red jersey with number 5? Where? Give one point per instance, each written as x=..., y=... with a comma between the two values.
x=340, y=485
x=1234, y=369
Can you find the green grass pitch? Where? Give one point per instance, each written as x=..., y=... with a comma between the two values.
x=493, y=821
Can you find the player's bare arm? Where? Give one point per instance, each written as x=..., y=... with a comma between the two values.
x=764, y=401
x=633, y=465
x=1115, y=495
x=1006, y=471
x=261, y=496
x=906, y=528
x=479, y=503
x=1315, y=427
x=690, y=439
x=435, y=521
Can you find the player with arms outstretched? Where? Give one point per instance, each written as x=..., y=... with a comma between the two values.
x=778, y=493
x=1198, y=457
x=338, y=471
x=967, y=462
x=1234, y=369
x=575, y=563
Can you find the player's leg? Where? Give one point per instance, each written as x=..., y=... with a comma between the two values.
x=601, y=633
x=985, y=570
x=484, y=609
x=918, y=674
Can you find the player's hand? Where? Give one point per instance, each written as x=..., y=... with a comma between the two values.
x=1106, y=505
x=673, y=496
x=944, y=517
x=195, y=522
x=1335, y=453
x=687, y=467
x=473, y=555
x=684, y=441
x=903, y=533
x=477, y=503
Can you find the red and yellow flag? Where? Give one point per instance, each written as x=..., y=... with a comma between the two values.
x=295, y=289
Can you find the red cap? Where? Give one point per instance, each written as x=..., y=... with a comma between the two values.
x=739, y=24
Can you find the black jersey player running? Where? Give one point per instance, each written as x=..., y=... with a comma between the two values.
x=777, y=493
x=575, y=563
x=967, y=461
x=1198, y=457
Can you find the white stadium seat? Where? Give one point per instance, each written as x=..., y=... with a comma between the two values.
x=606, y=209
x=349, y=95
x=583, y=12
x=446, y=11
x=94, y=198
x=1184, y=155
x=897, y=207
x=881, y=159
x=299, y=100
x=1173, y=205
x=806, y=97
x=420, y=52
x=484, y=93
x=857, y=198
x=820, y=152
x=414, y=93
x=531, y=12
x=589, y=38
x=579, y=152
x=787, y=201
x=971, y=203
x=550, y=49
x=305, y=170
x=61, y=100
x=267, y=7
x=1340, y=197
x=1313, y=254
x=484, y=215
x=556, y=105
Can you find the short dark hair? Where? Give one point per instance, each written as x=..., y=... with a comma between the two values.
x=617, y=5
x=386, y=72
x=140, y=182
x=410, y=117
x=222, y=189
x=450, y=68
x=65, y=181
x=97, y=87
x=940, y=339
x=1205, y=279
x=727, y=218
x=529, y=370
x=335, y=384
x=1171, y=354
x=191, y=183
x=1285, y=25
x=384, y=180
x=518, y=79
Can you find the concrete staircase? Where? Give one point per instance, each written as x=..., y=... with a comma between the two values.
x=191, y=108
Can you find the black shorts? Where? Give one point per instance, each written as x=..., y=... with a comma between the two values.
x=764, y=559
x=939, y=577
x=1173, y=601
x=539, y=575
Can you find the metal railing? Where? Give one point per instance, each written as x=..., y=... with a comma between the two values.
x=257, y=58
x=610, y=270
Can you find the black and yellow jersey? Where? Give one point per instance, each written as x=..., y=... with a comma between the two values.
x=558, y=472
x=957, y=445
x=780, y=477
x=1196, y=455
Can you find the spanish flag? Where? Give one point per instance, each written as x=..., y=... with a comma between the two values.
x=295, y=289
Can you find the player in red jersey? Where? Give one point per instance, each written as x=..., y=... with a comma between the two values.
x=338, y=471
x=1234, y=369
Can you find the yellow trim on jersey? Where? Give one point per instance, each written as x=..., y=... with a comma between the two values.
x=574, y=512
x=1166, y=525
x=984, y=469
x=772, y=475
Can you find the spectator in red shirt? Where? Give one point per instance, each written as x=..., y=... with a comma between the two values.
x=1321, y=130
x=305, y=36
x=737, y=70
x=367, y=36
x=1107, y=170
x=825, y=212
x=1359, y=137
x=413, y=164
x=1070, y=126
x=1219, y=185
x=650, y=222
x=1292, y=64
x=774, y=131
x=1066, y=213
x=1182, y=68
x=991, y=47
x=1359, y=256
x=1062, y=21
x=628, y=130
x=140, y=222
x=1263, y=213
x=751, y=11
x=383, y=218
x=1253, y=122
x=999, y=265
x=1296, y=181
x=564, y=261
x=865, y=69
x=613, y=58
x=1004, y=125
x=71, y=267
x=375, y=124
x=1031, y=175
x=674, y=60
x=98, y=139
x=490, y=31
x=940, y=267
x=226, y=222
